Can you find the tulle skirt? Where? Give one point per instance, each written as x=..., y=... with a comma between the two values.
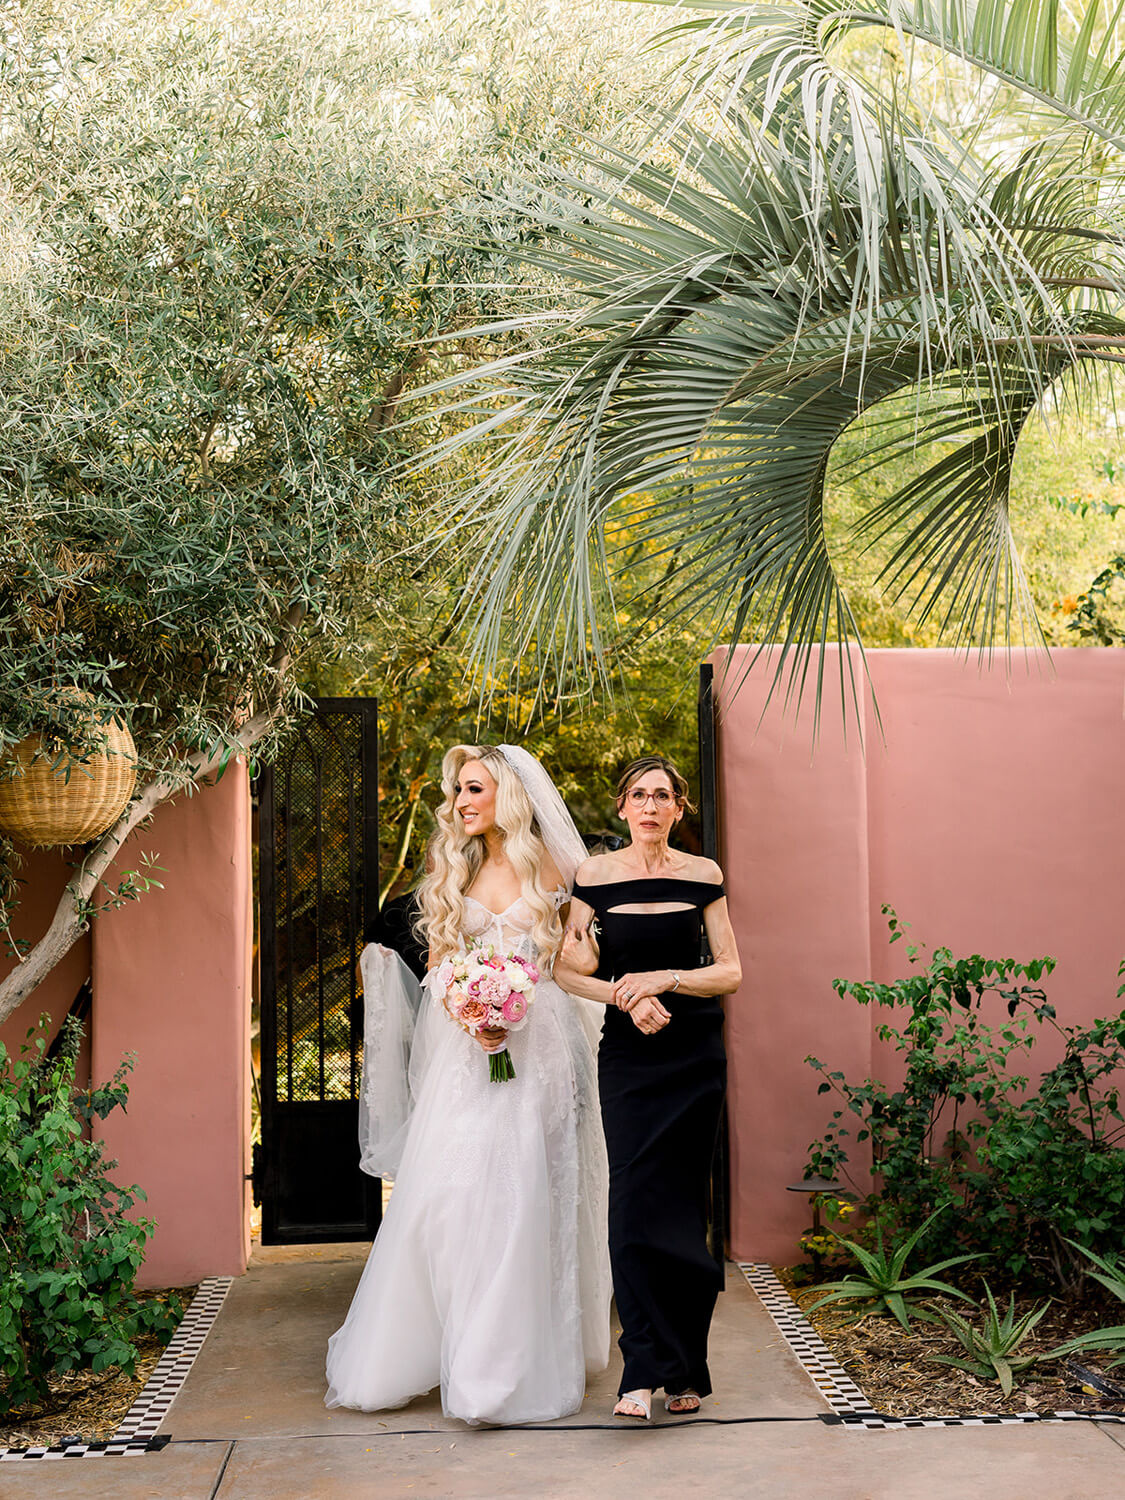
x=489, y=1275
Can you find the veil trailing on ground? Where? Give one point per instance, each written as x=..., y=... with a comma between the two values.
x=398, y=1026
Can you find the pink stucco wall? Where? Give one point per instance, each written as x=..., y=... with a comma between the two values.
x=990, y=814
x=44, y=873
x=171, y=977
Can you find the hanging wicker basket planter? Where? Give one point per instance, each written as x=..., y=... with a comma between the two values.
x=46, y=808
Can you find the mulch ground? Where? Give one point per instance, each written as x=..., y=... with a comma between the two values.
x=83, y=1406
x=893, y=1368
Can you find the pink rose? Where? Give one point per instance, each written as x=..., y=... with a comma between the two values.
x=473, y=1014
x=514, y=1008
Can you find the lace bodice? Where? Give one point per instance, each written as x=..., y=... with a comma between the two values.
x=511, y=929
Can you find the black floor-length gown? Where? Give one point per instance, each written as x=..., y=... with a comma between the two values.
x=661, y=1099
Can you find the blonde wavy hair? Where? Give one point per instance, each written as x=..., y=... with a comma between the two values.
x=455, y=857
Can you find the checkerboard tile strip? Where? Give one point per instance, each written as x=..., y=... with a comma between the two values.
x=859, y=1422
x=137, y=1432
x=816, y=1359
x=851, y=1408
x=131, y=1448
x=164, y=1384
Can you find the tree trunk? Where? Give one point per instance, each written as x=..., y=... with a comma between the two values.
x=68, y=924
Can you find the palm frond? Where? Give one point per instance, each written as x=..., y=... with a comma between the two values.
x=747, y=291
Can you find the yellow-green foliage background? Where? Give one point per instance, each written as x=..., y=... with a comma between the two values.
x=1068, y=515
x=1069, y=481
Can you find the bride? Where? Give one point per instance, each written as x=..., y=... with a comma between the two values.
x=490, y=1273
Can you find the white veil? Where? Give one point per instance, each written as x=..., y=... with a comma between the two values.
x=391, y=1000
x=392, y=996
x=556, y=826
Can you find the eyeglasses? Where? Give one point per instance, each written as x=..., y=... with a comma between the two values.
x=637, y=797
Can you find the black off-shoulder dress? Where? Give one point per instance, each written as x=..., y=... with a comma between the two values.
x=661, y=1098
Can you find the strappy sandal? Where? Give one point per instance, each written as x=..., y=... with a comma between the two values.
x=683, y=1411
x=638, y=1398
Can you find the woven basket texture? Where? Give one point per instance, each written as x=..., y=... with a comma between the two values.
x=44, y=809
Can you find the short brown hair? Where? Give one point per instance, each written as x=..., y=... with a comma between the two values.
x=646, y=763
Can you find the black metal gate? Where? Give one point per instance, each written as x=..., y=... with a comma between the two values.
x=318, y=883
x=719, y=1208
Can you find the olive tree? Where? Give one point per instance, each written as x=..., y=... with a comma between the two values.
x=227, y=237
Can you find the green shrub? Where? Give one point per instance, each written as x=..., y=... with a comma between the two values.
x=1029, y=1169
x=68, y=1253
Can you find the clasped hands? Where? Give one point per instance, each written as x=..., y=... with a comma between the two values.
x=636, y=995
x=633, y=993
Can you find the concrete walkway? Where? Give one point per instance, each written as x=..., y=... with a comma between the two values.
x=250, y=1424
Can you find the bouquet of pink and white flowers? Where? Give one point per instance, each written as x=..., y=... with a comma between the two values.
x=484, y=991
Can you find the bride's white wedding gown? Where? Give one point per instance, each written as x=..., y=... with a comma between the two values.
x=489, y=1274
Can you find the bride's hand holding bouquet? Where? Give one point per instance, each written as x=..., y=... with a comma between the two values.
x=492, y=1039
x=489, y=994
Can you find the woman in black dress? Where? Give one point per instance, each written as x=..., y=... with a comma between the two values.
x=661, y=1074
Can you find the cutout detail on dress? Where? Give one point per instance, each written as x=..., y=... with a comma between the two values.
x=650, y=908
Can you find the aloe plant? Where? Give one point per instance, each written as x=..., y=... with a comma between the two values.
x=1102, y=1340
x=882, y=1285
x=1111, y=1274
x=992, y=1348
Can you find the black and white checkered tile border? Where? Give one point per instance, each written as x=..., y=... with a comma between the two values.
x=130, y=1448
x=164, y=1384
x=816, y=1359
x=137, y=1432
x=851, y=1408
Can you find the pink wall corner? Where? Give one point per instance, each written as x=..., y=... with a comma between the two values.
x=172, y=985
x=794, y=853
x=44, y=873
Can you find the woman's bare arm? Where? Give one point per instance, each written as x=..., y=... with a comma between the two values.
x=722, y=975
x=574, y=971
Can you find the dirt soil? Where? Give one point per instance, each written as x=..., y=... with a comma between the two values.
x=893, y=1368
x=82, y=1406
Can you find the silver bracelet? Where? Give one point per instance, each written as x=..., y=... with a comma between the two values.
x=676, y=977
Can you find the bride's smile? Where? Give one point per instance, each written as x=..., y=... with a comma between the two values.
x=475, y=798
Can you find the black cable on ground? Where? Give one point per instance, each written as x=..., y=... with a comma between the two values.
x=827, y=1419
x=446, y=1432
x=855, y=1420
